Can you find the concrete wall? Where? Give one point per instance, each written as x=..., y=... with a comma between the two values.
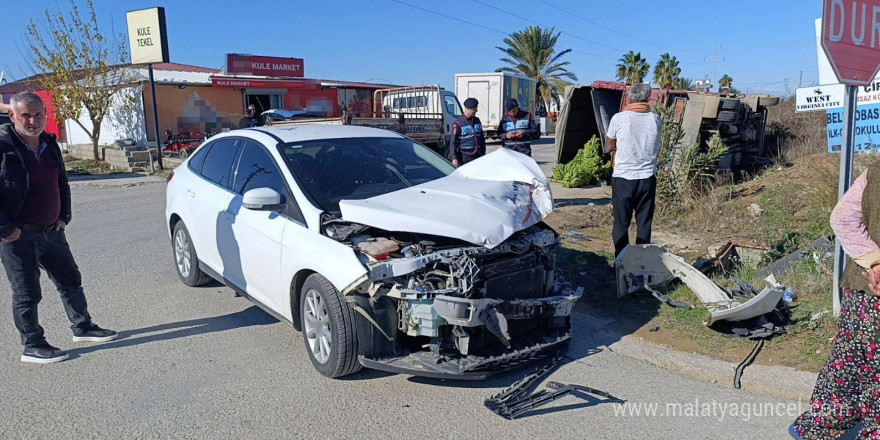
x=120, y=159
x=124, y=120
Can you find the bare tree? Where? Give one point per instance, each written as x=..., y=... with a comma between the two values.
x=78, y=65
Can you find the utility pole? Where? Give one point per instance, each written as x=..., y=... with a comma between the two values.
x=787, y=90
x=714, y=56
x=800, y=78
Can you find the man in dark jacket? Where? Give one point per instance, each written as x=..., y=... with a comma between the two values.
x=468, y=142
x=517, y=128
x=34, y=210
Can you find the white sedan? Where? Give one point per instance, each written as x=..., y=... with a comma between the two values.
x=376, y=248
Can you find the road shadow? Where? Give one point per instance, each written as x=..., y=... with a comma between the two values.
x=173, y=330
x=574, y=201
x=499, y=380
x=91, y=177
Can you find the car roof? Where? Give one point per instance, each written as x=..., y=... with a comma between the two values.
x=303, y=132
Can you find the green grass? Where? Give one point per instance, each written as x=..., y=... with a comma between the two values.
x=162, y=173
x=90, y=166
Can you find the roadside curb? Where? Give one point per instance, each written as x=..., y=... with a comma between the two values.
x=111, y=180
x=777, y=381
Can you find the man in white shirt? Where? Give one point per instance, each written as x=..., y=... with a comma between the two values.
x=633, y=139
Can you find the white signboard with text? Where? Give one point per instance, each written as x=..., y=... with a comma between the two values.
x=808, y=99
x=146, y=36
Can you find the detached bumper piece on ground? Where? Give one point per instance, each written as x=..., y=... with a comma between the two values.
x=646, y=265
x=516, y=400
x=743, y=312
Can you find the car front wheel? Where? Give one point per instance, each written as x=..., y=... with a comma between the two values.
x=328, y=328
x=186, y=261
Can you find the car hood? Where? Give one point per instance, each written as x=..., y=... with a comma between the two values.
x=483, y=202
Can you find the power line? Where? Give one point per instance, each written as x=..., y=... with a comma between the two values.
x=486, y=27
x=594, y=55
x=450, y=17
x=539, y=24
x=762, y=83
x=615, y=30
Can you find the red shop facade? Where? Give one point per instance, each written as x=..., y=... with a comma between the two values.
x=280, y=83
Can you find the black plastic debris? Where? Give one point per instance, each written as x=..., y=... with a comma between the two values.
x=745, y=363
x=516, y=400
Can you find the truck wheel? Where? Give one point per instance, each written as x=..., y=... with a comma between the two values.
x=726, y=116
x=328, y=328
x=729, y=104
x=166, y=153
x=184, y=154
x=767, y=101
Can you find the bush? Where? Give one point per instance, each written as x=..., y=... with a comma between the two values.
x=683, y=171
x=588, y=167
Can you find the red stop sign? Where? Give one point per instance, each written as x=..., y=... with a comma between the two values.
x=851, y=39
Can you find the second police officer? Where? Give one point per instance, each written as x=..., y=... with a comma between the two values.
x=517, y=130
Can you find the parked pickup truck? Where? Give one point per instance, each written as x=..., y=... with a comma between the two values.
x=422, y=113
x=739, y=120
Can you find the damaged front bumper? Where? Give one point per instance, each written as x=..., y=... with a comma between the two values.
x=494, y=316
x=464, y=312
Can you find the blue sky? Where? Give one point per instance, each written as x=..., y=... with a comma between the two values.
x=760, y=44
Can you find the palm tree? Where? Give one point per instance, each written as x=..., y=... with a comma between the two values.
x=532, y=52
x=632, y=68
x=682, y=83
x=666, y=71
x=725, y=81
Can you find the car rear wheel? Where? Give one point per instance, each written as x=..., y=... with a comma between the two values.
x=328, y=328
x=185, y=258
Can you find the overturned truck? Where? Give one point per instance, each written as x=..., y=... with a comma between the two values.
x=739, y=120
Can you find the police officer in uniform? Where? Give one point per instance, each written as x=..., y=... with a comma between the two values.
x=468, y=142
x=517, y=129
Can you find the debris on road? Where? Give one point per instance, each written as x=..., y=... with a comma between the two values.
x=745, y=363
x=515, y=400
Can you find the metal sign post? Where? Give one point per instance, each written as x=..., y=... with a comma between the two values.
x=155, y=122
x=844, y=181
x=856, y=61
x=148, y=41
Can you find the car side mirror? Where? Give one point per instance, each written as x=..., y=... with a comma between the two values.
x=261, y=199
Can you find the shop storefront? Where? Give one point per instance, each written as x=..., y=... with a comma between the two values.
x=279, y=83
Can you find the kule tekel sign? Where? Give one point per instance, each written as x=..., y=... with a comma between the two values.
x=147, y=37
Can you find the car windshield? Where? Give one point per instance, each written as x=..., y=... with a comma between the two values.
x=331, y=170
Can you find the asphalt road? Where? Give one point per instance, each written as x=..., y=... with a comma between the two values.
x=201, y=363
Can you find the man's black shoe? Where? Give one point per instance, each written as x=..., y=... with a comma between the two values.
x=45, y=354
x=93, y=333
